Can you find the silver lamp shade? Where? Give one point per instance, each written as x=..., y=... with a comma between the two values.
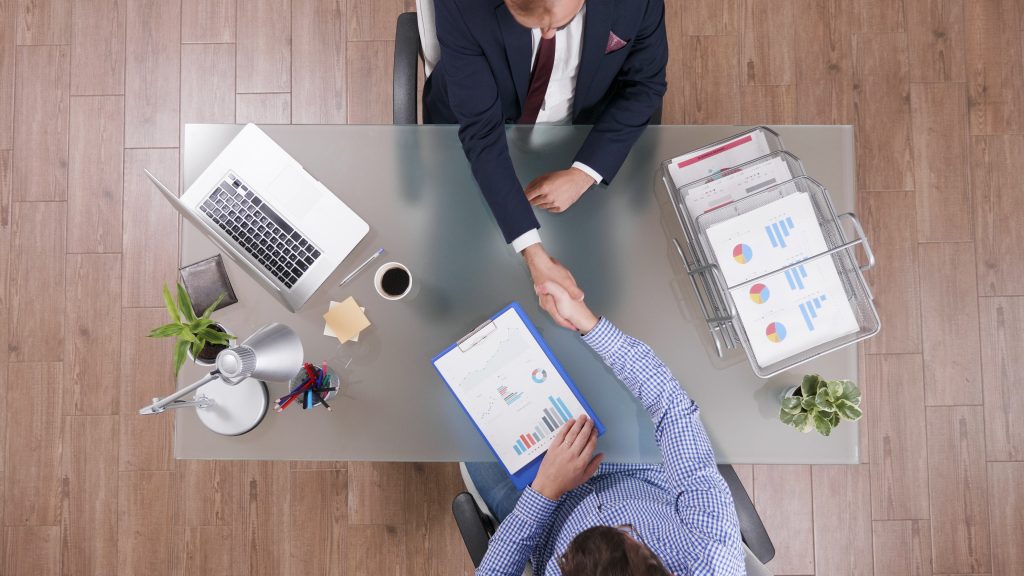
x=273, y=353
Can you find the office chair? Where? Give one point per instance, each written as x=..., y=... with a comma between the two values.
x=477, y=525
x=415, y=38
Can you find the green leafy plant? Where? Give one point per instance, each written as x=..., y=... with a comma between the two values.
x=821, y=404
x=192, y=332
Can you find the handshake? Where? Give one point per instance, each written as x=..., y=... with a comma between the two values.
x=557, y=291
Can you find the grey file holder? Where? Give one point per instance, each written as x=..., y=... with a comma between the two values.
x=713, y=294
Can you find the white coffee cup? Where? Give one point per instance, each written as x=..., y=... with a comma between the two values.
x=387, y=289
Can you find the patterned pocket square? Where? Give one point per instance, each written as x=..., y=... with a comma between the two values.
x=614, y=43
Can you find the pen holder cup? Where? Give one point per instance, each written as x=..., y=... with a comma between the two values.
x=333, y=382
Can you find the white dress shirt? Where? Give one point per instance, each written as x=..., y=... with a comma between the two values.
x=558, y=99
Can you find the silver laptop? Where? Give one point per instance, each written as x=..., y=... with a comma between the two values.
x=281, y=225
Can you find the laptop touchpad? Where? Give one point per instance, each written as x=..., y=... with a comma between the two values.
x=294, y=192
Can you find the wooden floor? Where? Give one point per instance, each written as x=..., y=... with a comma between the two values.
x=91, y=91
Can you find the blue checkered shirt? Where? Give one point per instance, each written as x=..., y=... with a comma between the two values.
x=681, y=509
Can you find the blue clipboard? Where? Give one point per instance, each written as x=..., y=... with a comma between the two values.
x=527, y=473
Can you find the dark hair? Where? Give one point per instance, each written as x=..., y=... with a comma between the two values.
x=607, y=551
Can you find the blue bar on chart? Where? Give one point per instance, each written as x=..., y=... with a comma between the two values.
x=552, y=419
x=520, y=447
x=779, y=231
x=795, y=276
x=516, y=448
x=809, y=310
x=560, y=408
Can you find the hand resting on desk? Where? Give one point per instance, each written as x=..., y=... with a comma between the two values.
x=557, y=191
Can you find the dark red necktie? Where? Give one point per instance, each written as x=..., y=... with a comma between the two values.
x=539, y=78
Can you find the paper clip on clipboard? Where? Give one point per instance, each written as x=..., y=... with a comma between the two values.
x=478, y=335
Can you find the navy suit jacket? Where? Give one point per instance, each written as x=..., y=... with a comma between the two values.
x=482, y=78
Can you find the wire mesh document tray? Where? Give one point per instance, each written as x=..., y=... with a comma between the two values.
x=718, y=299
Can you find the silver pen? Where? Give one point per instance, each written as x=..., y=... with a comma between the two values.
x=361, y=266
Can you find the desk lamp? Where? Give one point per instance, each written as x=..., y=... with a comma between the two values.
x=234, y=397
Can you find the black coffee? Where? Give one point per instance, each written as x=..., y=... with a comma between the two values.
x=394, y=282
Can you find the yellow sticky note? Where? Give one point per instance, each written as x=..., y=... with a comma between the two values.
x=329, y=332
x=346, y=319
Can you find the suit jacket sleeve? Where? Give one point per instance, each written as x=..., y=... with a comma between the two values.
x=473, y=96
x=641, y=86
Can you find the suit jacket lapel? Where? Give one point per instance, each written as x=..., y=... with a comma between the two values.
x=517, y=49
x=597, y=25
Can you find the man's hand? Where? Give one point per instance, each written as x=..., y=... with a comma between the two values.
x=569, y=461
x=556, y=191
x=576, y=312
x=543, y=269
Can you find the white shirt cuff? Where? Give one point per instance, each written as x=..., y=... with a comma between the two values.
x=588, y=171
x=528, y=238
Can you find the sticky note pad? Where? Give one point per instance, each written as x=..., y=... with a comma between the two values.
x=346, y=319
x=329, y=332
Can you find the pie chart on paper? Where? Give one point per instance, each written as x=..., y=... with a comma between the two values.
x=759, y=293
x=742, y=253
x=776, y=332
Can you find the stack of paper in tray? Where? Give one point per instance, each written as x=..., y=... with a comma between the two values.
x=792, y=310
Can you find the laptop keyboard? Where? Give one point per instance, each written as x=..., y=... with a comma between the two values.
x=259, y=230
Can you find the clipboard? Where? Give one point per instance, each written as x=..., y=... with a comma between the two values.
x=545, y=419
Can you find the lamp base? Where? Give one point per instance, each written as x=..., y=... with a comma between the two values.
x=233, y=410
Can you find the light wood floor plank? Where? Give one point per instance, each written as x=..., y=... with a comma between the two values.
x=146, y=372
x=767, y=54
x=319, y=63
x=902, y=548
x=207, y=84
x=95, y=182
x=41, y=123
x=89, y=517
x=32, y=550
x=5, y=254
x=996, y=189
x=958, y=489
x=317, y=521
x=899, y=447
x=949, y=297
x=710, y=17
x=372, y=487
x=380, y=546
x=824, y=61
x=879, y=16
x=374, y=20
x=842, y=520
x=7, y=57
x=881, y=101
x=211, y=491
x=208, y=21
x=150, y=242
x=263, y=108
x=98, y=46
x=32, y=483
x=36, y=282
x=430, y=529
x=44, y=22
x=746, y=475
x=6, y=189
x=317, y=465
x=1002, y=323
x=370, y=67
x=264, y=56
x=212, y=550
x=1006, y=505
x=267, y=493
x=151, y=537
x=939, y=113
x=935, y=33
x=768, y=104
x=152, y=73
x=995, y=66
x=891, y=226
x=782, y=496
x=92, y=356
x=704, y=79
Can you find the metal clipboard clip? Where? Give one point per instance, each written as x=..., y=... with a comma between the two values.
x=467, y=342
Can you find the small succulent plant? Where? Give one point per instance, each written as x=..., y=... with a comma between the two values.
x=192, y=332
x=820, y=405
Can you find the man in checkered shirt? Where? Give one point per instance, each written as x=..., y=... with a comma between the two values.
x=583, y=517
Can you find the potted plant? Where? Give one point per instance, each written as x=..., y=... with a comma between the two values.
x=198, y=337
x=820, y=404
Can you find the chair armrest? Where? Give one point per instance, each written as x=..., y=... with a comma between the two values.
x=407, y=51
x=476, y=529
x=754, y=534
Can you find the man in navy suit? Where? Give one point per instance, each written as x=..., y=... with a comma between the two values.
x=599, y=62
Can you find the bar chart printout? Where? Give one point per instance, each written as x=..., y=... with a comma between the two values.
x=510, y=388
